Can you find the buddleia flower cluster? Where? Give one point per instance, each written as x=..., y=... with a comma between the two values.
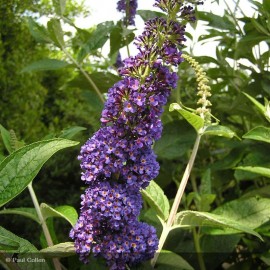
x=129, y=7
x=118, y=160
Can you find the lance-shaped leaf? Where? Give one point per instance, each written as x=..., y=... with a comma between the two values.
x=171, y=145
x=218, y=130
x=45, y=64
x=217, y=21
x=149, y=14
x=156, y=198
x=120, y=37
x=172, y=261
x=96, y=40
x=251, y=212
x=258, y=192
x=59, y=6
x=69, y=133
x=203, y=219
x=266, y=4
x=20, y=245
x=27, y=253
x=196, y=121
x=259, y=27
x=21, y=167
x=259, y=170
x=6, y=139
x=59, y=250
x=67, y=212
x=23, y=211
x=258, y=105
x=39, y=32
x=258, y=134
x=56, y=32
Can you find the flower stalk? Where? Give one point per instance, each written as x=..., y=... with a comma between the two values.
x=177, y=199
x=88, y=78
x=204, y=112
x=42, y=221
x=196, y=239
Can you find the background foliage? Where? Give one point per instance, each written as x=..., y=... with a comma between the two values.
x=44, y=95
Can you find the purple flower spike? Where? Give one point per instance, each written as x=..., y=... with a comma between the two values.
x=129, y=7
x=118, y=160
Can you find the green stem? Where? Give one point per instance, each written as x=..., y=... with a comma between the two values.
x=127, y=23
x=196, y=239
x=127, y=12
x=88, y=78
x=237, y=7
x=128, y=51
x=45, y=229
x=233, y=17
x=194, y=184
x=184, y=181
x=177, y=199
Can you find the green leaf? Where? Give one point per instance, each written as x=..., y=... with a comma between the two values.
x=259, y=170
x=6, y=139
x=59, y=6
x=266, y=4
x=150, y=216
x=39, y=32
x=45, y=64
x=196, y=121
x=215, y=254
x=219, y=130
x=258, y=105
x=120, y=36
x=251, y=212
x=259, y=134
x=206, y=184
x=97, y=39
x=257, y=156
x=103, y=80
x=266, y=257
x=2, y=157
x=150, y=14
x=177, y=138
x=67, y=212
x=156, y=198
x=7, y=244
x=204, y=219
x=172, y=261
x=29, y=257
x=21, y=244
x=69, y=133
x=226, y=243
x=205, y=201
x=21, y=167
x=23, y=211
x=93, y=101
x=259, y=27
x=216, y=21
x=60, y=250
x=56, y=32
x=206, y=60
x=258, y=192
